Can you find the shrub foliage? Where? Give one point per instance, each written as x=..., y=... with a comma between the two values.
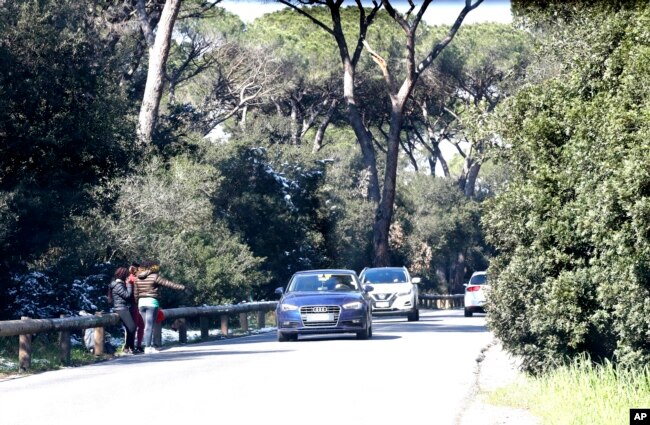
x=573, y=229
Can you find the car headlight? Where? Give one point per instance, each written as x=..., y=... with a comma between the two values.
x=355, y=305
x=406, y=293
x=288, y=307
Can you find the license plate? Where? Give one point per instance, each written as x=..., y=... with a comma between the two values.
x=381, y=304
x=319, y=317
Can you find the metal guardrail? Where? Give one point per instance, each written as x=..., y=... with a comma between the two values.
x=26, y=327
x=437, y=301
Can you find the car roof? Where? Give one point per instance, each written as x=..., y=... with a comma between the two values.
x=479, y=273
x=327, y=271
x=384, y=268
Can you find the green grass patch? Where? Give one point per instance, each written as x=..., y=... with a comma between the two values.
x=581, y=393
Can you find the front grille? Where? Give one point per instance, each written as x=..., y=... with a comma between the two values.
x=306, y=313
x=383, y=297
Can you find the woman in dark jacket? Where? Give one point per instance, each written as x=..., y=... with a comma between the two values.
x=120, y=294
x=146, y=292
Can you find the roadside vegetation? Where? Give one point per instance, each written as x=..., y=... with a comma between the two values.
x=572, y=274
x=579, y=394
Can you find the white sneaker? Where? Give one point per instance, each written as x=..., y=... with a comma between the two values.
x=151, y=350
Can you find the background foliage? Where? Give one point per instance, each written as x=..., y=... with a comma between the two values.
x=234, y=195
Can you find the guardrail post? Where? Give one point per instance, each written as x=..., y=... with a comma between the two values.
x=182, y=330
x=99, y=337
x=243, y=321
x=24, y=350
x=261, y=319
x=224, y=324
x=203, y=322
x=64, y=346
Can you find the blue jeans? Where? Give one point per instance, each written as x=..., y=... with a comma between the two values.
x=149, y=316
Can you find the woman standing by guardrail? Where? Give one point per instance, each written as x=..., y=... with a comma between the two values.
x=147, y=292
x=120, y=295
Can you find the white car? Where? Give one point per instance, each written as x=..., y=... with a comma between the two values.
x=475, y=293
x=394, y=292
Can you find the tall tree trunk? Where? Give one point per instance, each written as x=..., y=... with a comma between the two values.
x=399, y=94
x=470, y=179
x=171, y=97
x=364, y=138
x=467, y=179
x=354, y=113
x=431, y=159
x=443, y=164
x=384, y=213
x=320, y=133
x=158, y=54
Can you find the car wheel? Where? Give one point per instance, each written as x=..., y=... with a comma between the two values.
x=364, y=334
x=284, y=337
x=414, y=316
x=468, y=312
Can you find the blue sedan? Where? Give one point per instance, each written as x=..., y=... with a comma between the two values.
x=324, y=302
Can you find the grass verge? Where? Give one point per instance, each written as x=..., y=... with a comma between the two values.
x=581, y=393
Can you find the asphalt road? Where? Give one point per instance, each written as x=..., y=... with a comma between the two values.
x=408, y=373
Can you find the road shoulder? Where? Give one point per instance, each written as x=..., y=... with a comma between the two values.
x=495, y=368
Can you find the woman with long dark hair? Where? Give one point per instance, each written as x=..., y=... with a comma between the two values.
x=120, y=294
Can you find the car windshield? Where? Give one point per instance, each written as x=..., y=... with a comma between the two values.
x=478, y=279
x=384, y=276
x=323, y=282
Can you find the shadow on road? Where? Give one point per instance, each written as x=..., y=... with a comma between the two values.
x=335, y=337
x=222, y=347
x=181, y=354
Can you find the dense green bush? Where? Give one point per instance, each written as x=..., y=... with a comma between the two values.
x=573, y=228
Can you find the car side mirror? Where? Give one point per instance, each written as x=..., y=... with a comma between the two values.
x=279, y=291
x=416, y=280
x=368, y=288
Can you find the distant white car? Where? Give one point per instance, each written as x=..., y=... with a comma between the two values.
x=395, y=292
x=475, y=293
